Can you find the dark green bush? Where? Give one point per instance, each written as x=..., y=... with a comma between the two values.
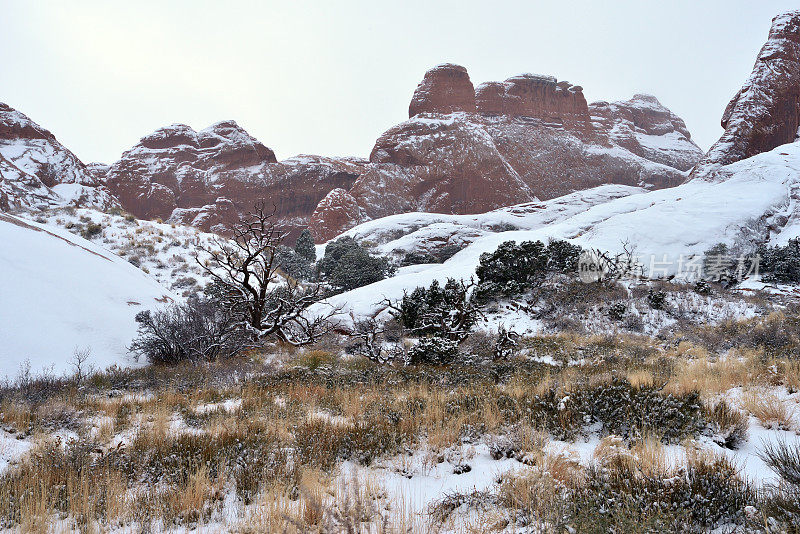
x=707, y=495
x=656, y=298
x=617, y=311
x=449, y=312
x=91, y=230
x=780, y=264
x=618, y=407
x=304, y=246
x=513, y=268
x=347, y=265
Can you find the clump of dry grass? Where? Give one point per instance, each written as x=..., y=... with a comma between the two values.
x=728, y=424
x=640, y=377
x=768, y=408
x=16, y=415
x=710, y=377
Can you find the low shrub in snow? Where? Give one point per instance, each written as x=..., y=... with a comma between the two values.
x=512, y=268
x=201, y=329
x=618, y=407
x=656, y=298
x=449, y=312
x=434, y=351
x=780, y=263
x=347, y=265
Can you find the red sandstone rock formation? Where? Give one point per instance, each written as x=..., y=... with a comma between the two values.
x=444, y=89
x=208, y=178
x=646, y=128
x=36, y=171
x=765, y=112
x=534, y=95
x=463, y=150
x=530, y=137
x=334, y=214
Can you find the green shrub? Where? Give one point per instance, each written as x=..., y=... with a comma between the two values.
x=449, y=312
x=617, y=311
x=702, y=287
x=304, y=246
x=656, y=298
x=618, y=407
x=418, y=258
x=91, y=230
x=727, y=265
x=706, y=496
x=780, y=264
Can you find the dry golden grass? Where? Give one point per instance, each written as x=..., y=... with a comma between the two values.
x=564, y=467
x=650, y=456
x=640, y=378
x=193, y=501
x=16, y=415
x=712, y=377
x=611, y=451
x=422, y=412
x=768, y=408
x=530, y=490
x=791, y=375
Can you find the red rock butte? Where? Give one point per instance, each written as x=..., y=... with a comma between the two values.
x=447, y=89
x=444, y=89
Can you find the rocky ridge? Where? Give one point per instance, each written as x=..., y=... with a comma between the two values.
x=765, y=112
x=463, y=150
x=37, y=171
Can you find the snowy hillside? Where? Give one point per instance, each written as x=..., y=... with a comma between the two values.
x=61, y=292
x=164, y=251
x=670, y=228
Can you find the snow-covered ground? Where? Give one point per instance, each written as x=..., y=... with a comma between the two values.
x=669, y=228
x=61, y=292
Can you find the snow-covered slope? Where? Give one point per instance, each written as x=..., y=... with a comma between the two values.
x=60, y=292
x=670, y=228
x=164, y=251
x=425, y=232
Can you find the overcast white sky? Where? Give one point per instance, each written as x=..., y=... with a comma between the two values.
x=329, y=77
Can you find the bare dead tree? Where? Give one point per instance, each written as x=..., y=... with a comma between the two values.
x=369, y=334
x=246, y=267
x=79, y=362
x=616, y=266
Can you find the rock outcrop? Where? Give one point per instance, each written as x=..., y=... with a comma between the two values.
x=536, y=96
x=37, y=152
x=765, y=112
x=208, y=178
x=37, y=172
x=529, y=137
x=463, y=150
x=444, y=89
x=334, y=214
x=177, y=167
x=646, y=128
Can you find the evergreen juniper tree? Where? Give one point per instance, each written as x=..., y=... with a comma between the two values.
x=304, y=246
